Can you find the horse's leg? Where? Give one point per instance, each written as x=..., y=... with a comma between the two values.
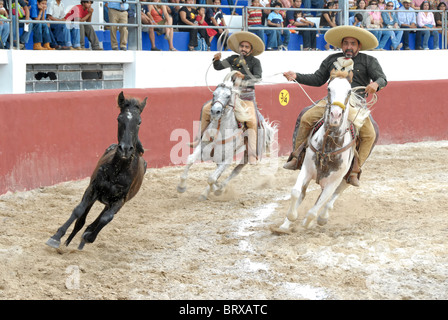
x=103, y=219
x=212, y=179
x=324, y=196
x=78, y=225
x=322, y=219
x=182, y=187
x=232, y=175
x=298, y=193
x=81, y=209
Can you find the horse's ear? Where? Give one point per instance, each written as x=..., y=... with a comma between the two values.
x=121, y=99
x=142, y=105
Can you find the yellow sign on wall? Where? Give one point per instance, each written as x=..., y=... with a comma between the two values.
x=283, y=97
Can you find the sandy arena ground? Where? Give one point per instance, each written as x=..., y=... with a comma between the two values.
x=384, y=240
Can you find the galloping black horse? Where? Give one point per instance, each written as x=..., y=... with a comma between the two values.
x=116, y=179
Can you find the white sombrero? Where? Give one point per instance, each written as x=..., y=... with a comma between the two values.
x=335, y=36
x=236, y=38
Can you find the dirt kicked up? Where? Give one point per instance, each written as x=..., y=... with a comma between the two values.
x=384, y=240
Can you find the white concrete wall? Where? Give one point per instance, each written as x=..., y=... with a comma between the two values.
x=145, y=69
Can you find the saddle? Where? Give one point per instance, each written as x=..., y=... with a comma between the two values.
x=299, y=153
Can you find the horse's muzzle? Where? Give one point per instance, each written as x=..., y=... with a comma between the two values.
x=125, y=151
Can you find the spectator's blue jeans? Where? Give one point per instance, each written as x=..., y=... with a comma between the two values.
x=25, y=35
x=41, y=33
x=426, y=35
x=406, y=37
x=259, y=33
x=272, y=38
x=4, y=32
x=318, y=4
x=395, y=37
x=64, y=36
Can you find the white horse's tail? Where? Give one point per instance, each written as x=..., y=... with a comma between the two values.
x=270, y=133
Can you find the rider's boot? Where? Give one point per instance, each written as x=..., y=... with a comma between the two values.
x=205, y=121
x=252, y=146
x=354, y=174
x=295, y=158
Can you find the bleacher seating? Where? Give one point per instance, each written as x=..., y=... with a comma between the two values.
x=181, y=39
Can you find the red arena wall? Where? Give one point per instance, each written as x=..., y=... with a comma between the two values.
x=49, y=138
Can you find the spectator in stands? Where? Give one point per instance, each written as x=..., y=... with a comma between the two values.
x=83, y=13
x=361, y=6
x=416, y=4
x=297, y=19
x=148, y=20
x=254, y=19
x=425, y=20
x=381, y=4
x=438, y=17
x=4, y=26
x=328, y=19
x=275, y=20
x=41, y=32
x=407, y=19
x=160, y=16
x=215, y=17
x=66, y=38
x=24, y=14
x=118, y=13
x=203, y=42
x=314, y=4
x=356, y=20
x=187, y=17
x=390, y=21
x=376, y=22
x=174, y=11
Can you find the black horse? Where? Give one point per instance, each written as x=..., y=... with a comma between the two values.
x=116, y=179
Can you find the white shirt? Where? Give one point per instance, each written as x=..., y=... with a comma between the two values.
x=56, y=10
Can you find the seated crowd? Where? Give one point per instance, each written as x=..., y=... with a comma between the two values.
x=269, y=19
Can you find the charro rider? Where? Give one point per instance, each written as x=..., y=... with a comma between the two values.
x=247, y=45
x=367, y=73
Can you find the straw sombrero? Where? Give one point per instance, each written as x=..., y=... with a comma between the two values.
x=335, y=36
x=236, y=38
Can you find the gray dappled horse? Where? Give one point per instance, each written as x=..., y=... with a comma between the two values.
x=116, y=179
x=225, y=138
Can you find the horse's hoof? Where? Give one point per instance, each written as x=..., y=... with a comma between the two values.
x=322, y=221
x=81, y=245
x=280, y=231
x=309, y=222
x=218, y=192
x=181, y=189
x=53, y=243
x=202, y=197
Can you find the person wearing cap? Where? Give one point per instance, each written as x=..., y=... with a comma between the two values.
x=247, y=46
x=407, y=19
x=367, y=73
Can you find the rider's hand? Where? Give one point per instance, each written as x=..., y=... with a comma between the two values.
x=239, y=75
x=217, y=57
x=290, y=75
x=372, y=88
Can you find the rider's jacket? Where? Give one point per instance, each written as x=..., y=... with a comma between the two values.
x=249, y=66
x=366, y=69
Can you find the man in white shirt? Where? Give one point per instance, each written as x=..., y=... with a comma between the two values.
x=66, y=38
x=407, y=19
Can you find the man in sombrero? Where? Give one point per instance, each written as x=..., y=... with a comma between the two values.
x=367, y=73
x=247, y=45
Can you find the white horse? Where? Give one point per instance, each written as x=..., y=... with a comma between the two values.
x=328, y=157
x=224, y=138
